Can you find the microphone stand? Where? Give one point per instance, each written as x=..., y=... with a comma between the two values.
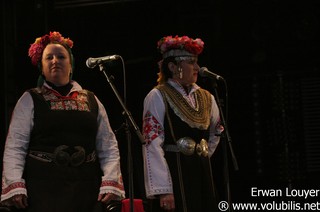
x=224, y=146
x=128, y=135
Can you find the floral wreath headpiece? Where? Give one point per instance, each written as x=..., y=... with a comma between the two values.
x=36, y=49
x=180, y=46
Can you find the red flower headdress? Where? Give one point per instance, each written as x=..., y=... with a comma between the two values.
x=180, y=46
x=36, y=49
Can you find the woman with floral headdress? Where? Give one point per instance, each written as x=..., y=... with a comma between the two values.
x=61, y=154
x=181, y=126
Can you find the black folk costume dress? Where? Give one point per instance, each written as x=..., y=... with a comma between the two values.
x=70, y=152
x=169, y=115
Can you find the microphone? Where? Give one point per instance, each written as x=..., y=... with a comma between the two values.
x=204, y=72
x=93, y=62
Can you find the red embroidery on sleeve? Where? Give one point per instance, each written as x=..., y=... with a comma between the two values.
x=151, y=128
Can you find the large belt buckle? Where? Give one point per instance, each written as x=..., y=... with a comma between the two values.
x=202, y=148
x=62, y=157
x=186, y=145
x=78, y=157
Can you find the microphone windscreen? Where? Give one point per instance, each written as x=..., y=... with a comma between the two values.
x=203, y=71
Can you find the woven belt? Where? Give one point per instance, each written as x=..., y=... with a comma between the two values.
x=188, y=146
x=63, y=158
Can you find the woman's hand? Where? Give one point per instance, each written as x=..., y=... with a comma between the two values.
x=167, y=202
x=105, y=198
x=19, y=201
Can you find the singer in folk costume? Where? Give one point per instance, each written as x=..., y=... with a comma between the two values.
x=181, y=126
x=61, y=154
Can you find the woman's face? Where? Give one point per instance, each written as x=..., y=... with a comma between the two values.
x=56, y=64
x=190, y=69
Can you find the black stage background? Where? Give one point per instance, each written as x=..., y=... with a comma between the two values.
x=267, y=50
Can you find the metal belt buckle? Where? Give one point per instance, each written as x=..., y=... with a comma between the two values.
x=186, y=145
x=62, y=157
x=78, y=157
x=202, y=148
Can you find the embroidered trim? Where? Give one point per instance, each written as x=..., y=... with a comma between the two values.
x=151, y=128
x=198, y=117
x=12, y=187
x=77, y=101
x=112, y=184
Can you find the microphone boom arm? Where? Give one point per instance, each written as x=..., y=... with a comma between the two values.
x=125, y=110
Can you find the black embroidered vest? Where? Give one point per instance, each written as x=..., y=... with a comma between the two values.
x=60, y=120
